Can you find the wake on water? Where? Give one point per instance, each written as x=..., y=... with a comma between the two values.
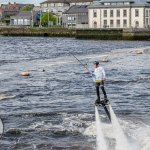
x=121, y=139
x=100, y=140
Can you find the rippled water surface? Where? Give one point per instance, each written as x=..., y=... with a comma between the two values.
x=54, y=108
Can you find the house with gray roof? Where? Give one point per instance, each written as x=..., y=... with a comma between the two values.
x=60, y=6
x=76, y=17
x=119, y=14
x=25, y=18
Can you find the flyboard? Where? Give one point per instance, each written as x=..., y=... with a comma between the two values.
x=105, y=106
x=1, y=128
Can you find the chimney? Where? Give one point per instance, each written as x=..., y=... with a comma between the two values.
x=14, y=3
x=9, y=3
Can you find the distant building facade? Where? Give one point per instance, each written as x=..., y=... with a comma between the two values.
x=10, y=9
x=119, y=14
x=60, y=6
x=24, y=18
x=76, y=17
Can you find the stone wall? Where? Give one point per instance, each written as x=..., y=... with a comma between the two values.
x=106, y=34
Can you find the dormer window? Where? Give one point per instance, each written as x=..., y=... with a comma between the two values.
x=126, y=3
x=119, y=3
x=106, y=3
x=113, y=3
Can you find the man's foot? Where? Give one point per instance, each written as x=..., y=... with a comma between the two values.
x=97, y=102
x=106, y=101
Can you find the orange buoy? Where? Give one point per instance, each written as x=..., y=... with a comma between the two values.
x=25, y=74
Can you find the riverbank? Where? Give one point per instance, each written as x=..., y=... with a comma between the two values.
x=51, y=32
x=99, y=34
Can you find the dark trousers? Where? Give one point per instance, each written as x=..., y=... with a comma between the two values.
x=97, y=85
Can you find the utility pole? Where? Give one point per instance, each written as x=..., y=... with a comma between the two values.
x=40, y=18
x=48, y=17
x=32, y=22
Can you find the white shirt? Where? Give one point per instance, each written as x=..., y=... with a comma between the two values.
x=99, y=74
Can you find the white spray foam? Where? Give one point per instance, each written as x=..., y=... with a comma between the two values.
x=100, y=140
x=143, y=137
x=121, y=139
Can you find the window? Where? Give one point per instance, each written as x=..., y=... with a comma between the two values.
x=15, y=22
x=118, y=13
x=105, y=13
x=94, y=13
x=20, y=21
x=113, y=3
x=106, y=3
x=124, y=23
x=69, y=18
x=126, y=3
x=73, y=18
x=59, y=4
x=136, y=13
x=124, y=13
x=45, y=5
x=105, y=23
x=119, y=3
x=95, y=24
x=111, y=23
x=118, y=23
x=146, y=13
x=52, y=4
x=146, y=21
x=26, y=22
x=111, y=13
x=136, y=24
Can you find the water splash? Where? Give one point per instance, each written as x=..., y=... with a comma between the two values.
x=100, y=140
x=121, y=140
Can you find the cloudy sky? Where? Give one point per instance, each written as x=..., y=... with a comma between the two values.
x=36, y=2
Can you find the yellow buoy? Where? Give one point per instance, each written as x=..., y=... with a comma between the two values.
x=25, y=74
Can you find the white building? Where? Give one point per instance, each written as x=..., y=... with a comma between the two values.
x=60, y=6
x=24, y=18
x=119, y=14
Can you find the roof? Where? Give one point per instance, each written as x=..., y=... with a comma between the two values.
x=15, y=4
x=121, y=1
x=77, y=9
x=25, y=14
x=132, y=3
x=66, y=1
x=109, y=1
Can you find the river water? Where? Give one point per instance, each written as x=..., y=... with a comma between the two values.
x=54, y=109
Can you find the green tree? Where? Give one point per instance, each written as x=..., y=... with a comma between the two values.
x=51, y=17
x=27, y=8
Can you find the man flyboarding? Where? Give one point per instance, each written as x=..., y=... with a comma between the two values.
x=99, y=77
